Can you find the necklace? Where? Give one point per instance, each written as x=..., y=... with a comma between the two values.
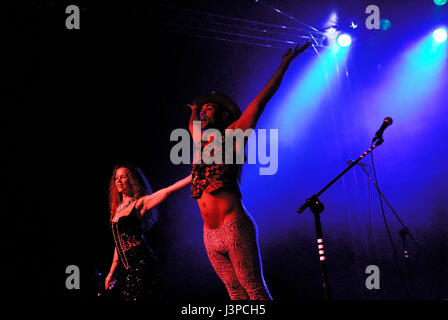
x=123, y=205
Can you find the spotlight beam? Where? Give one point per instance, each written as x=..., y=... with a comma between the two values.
x=439, y=35
x=344, y=40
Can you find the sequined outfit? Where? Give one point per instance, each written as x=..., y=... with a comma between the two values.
x=137, y=274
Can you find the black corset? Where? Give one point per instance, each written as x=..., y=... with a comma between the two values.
x=128, y=234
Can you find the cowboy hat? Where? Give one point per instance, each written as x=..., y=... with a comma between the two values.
x=222, y=100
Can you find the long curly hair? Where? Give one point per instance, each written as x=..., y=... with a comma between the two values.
x=139, y=186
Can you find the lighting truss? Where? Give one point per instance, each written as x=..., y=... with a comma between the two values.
x=249, y=32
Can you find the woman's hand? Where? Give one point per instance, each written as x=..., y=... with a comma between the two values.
x=291, y=54
x=110, y=281
x=193, y=107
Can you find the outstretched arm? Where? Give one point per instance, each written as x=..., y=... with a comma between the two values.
x=254, y=110
x=146, y=203
x=179, y=184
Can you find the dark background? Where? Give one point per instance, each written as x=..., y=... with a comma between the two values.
x=79, y=102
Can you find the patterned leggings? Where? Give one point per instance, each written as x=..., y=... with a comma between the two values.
x=234, y=254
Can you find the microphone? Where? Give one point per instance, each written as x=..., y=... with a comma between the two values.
x=379, y=134
x=361, y=164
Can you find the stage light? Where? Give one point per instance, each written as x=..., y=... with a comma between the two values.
x=344, y=40
x=440, y=2
x=385, y=24
x=331, y=34
x=439, y=35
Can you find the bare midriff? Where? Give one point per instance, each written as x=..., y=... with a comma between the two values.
x=219, y=207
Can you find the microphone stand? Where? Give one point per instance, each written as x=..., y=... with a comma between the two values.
x=404, y=231
x=317, y=207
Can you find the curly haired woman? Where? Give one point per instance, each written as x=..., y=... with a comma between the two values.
x=132, y=214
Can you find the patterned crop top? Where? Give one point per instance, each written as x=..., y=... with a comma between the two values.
x=215, y=176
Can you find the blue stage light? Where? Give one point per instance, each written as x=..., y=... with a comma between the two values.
x=440, y=2
x=439, y=35
x=385, y=24
x=344, y=40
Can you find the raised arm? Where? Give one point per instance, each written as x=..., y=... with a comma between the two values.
x=254, y=110
x=194, y=117
x=146, y=203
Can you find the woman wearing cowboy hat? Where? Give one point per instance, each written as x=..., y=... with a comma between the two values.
x=230, y=233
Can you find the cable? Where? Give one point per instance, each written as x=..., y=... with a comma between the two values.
x=388, y=231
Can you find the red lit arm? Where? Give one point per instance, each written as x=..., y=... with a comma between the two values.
x=179, y=184
x=146, y=203
x=194, y=117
